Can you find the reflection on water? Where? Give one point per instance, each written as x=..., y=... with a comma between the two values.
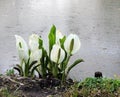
x=97, y=22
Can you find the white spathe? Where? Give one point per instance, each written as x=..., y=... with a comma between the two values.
x=76, y=44
x=55, y=53
x=58, y=36
x=22, y=48
x=36, y=55
x=34, y=42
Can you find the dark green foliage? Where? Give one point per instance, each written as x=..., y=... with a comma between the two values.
x=94, y=87
x=110, y=85
x=28, y=70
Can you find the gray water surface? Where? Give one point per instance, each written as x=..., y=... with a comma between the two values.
x=97, y=22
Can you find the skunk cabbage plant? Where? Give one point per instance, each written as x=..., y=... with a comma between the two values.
x=55, y=61
x=25, y=68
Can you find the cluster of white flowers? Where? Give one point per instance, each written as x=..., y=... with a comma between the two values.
x=71, y=45
x=34, y=56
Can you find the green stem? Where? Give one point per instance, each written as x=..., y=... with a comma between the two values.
x=68, y=58
x=55, y=70
x=65, y=66
x=26, y=69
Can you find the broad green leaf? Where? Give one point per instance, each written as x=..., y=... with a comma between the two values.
x=52, y=37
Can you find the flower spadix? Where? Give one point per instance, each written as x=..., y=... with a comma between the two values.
x=72, y=44
x=22, y=48
x=57, y=54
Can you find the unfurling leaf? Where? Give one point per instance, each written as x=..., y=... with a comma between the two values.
x=52, y=37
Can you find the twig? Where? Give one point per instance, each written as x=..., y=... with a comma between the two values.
x=7, y=77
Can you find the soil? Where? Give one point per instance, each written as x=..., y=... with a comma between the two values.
x=33, y=87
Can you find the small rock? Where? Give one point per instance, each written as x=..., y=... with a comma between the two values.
x=98, y=74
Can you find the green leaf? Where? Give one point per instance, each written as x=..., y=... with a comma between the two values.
x=40, y=43
x=52, y=37
x=44, y=62
x=34, y=68
x=26, y=72
x=74, y=64
x=19, y=69
x=62, y=42
x=32, y=64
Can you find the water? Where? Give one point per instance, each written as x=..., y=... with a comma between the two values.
x=97, y=22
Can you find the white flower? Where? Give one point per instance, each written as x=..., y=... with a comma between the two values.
x=57, y=54
x=72, y=44
x=36, y=55
x=34, y=42
x=22, y=48
x=58, y=36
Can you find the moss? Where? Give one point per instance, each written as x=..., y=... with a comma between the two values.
x=95, y=87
